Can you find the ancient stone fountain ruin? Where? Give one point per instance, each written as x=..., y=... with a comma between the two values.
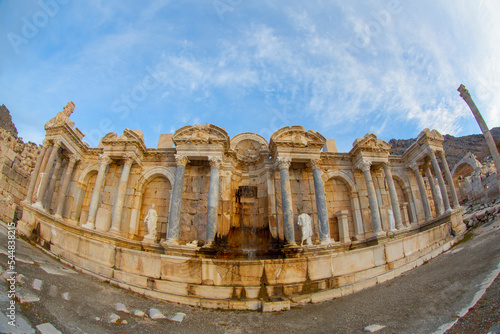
x=239, y=223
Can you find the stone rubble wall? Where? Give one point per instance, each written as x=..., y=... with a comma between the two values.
x=17, y=160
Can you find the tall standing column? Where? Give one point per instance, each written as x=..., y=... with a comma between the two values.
x=122, y=190
x=423, y=193
x=319, y=191
x=286, y=200
x=435, y=195
x=449, y=179
x=52, y=184
x=64, y=187
x=213, y=199
x=96, y=193
x=176, y=201
x=364, y=165
x=464, y=93
x=46, y=176
x=437, y=171
x=394, y=196
x=36, y=172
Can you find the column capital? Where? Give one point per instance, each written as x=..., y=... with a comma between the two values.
x=57, y=143
x=129, y=159
x=181, y=160
x=314, y=163
x=364, y=165
x=414, y=166
x=46, y=143
x=284, y=162
x=215, y=161
x=73, y=159
x=105, y=159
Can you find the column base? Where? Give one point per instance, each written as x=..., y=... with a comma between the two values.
x=88, y=226
x=326, y=241
x=114, y=231
x=172, y=242
x=38, y=205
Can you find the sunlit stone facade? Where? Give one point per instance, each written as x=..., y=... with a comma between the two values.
x=226, y=212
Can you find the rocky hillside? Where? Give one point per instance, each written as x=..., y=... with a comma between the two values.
x=455, y=147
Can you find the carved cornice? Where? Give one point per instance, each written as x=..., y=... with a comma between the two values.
x=296, y=137
x=201, y=135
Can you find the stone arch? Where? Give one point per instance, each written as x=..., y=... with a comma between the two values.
x=144, y=200
x=85, y=188
x=341, y=175
x=339, y=197
x=468, y=159
x=152, y=173
x=402, y=189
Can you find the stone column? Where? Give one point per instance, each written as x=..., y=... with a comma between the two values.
x=449, y=179
x=435, y=195
x=175, y=208
x=319, y=190
x=423, y=193
x=96, y=193
x=364, y=165
x=46, y=177
x=213, y=199
x=52, y=184
x=120, y=196
x=442, y=186
x=286, y=200
x=64, y=187
x=394, y=196
x=36, y=172
x=464, y=93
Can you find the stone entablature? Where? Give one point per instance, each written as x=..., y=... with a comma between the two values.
x=215, y=196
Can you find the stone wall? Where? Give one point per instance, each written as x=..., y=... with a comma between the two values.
x=17, y=161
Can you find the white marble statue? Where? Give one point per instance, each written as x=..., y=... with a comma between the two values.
x=306, y=228
x=150, y=221
x=392, y=221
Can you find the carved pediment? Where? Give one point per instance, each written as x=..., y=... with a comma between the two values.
x=297, y=137
x=432, y=137
x=201, y=134
x=370, y=143
x=249, y=148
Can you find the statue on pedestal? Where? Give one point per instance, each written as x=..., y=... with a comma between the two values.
x=306, y=228
x=150, y=220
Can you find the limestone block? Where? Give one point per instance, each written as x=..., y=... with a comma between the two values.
x=180, y=269
x=135, y=262
x=175, y=288
x=410, y=245
x=285, y=271
x=137, y=280
x=103, y=220
x=211, y=292
x=320, y=267
x=394, y=250
x=224, y=272
x=353, y=261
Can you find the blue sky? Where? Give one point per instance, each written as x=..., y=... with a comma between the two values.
x=340, y=68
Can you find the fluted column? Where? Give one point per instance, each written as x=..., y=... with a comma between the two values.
x=46, y=176
x=435, y=195
x=175, y=208
x=64, y=187
x=454, y=198
x=286, y=200
x=52, y=183
x=213, y=199
x=96, y=193
x=394, y=196
x=122, y=190
x=319, y=191
x=423, y=193
x=364, y=165
x=442, y=186
x=35, y=173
